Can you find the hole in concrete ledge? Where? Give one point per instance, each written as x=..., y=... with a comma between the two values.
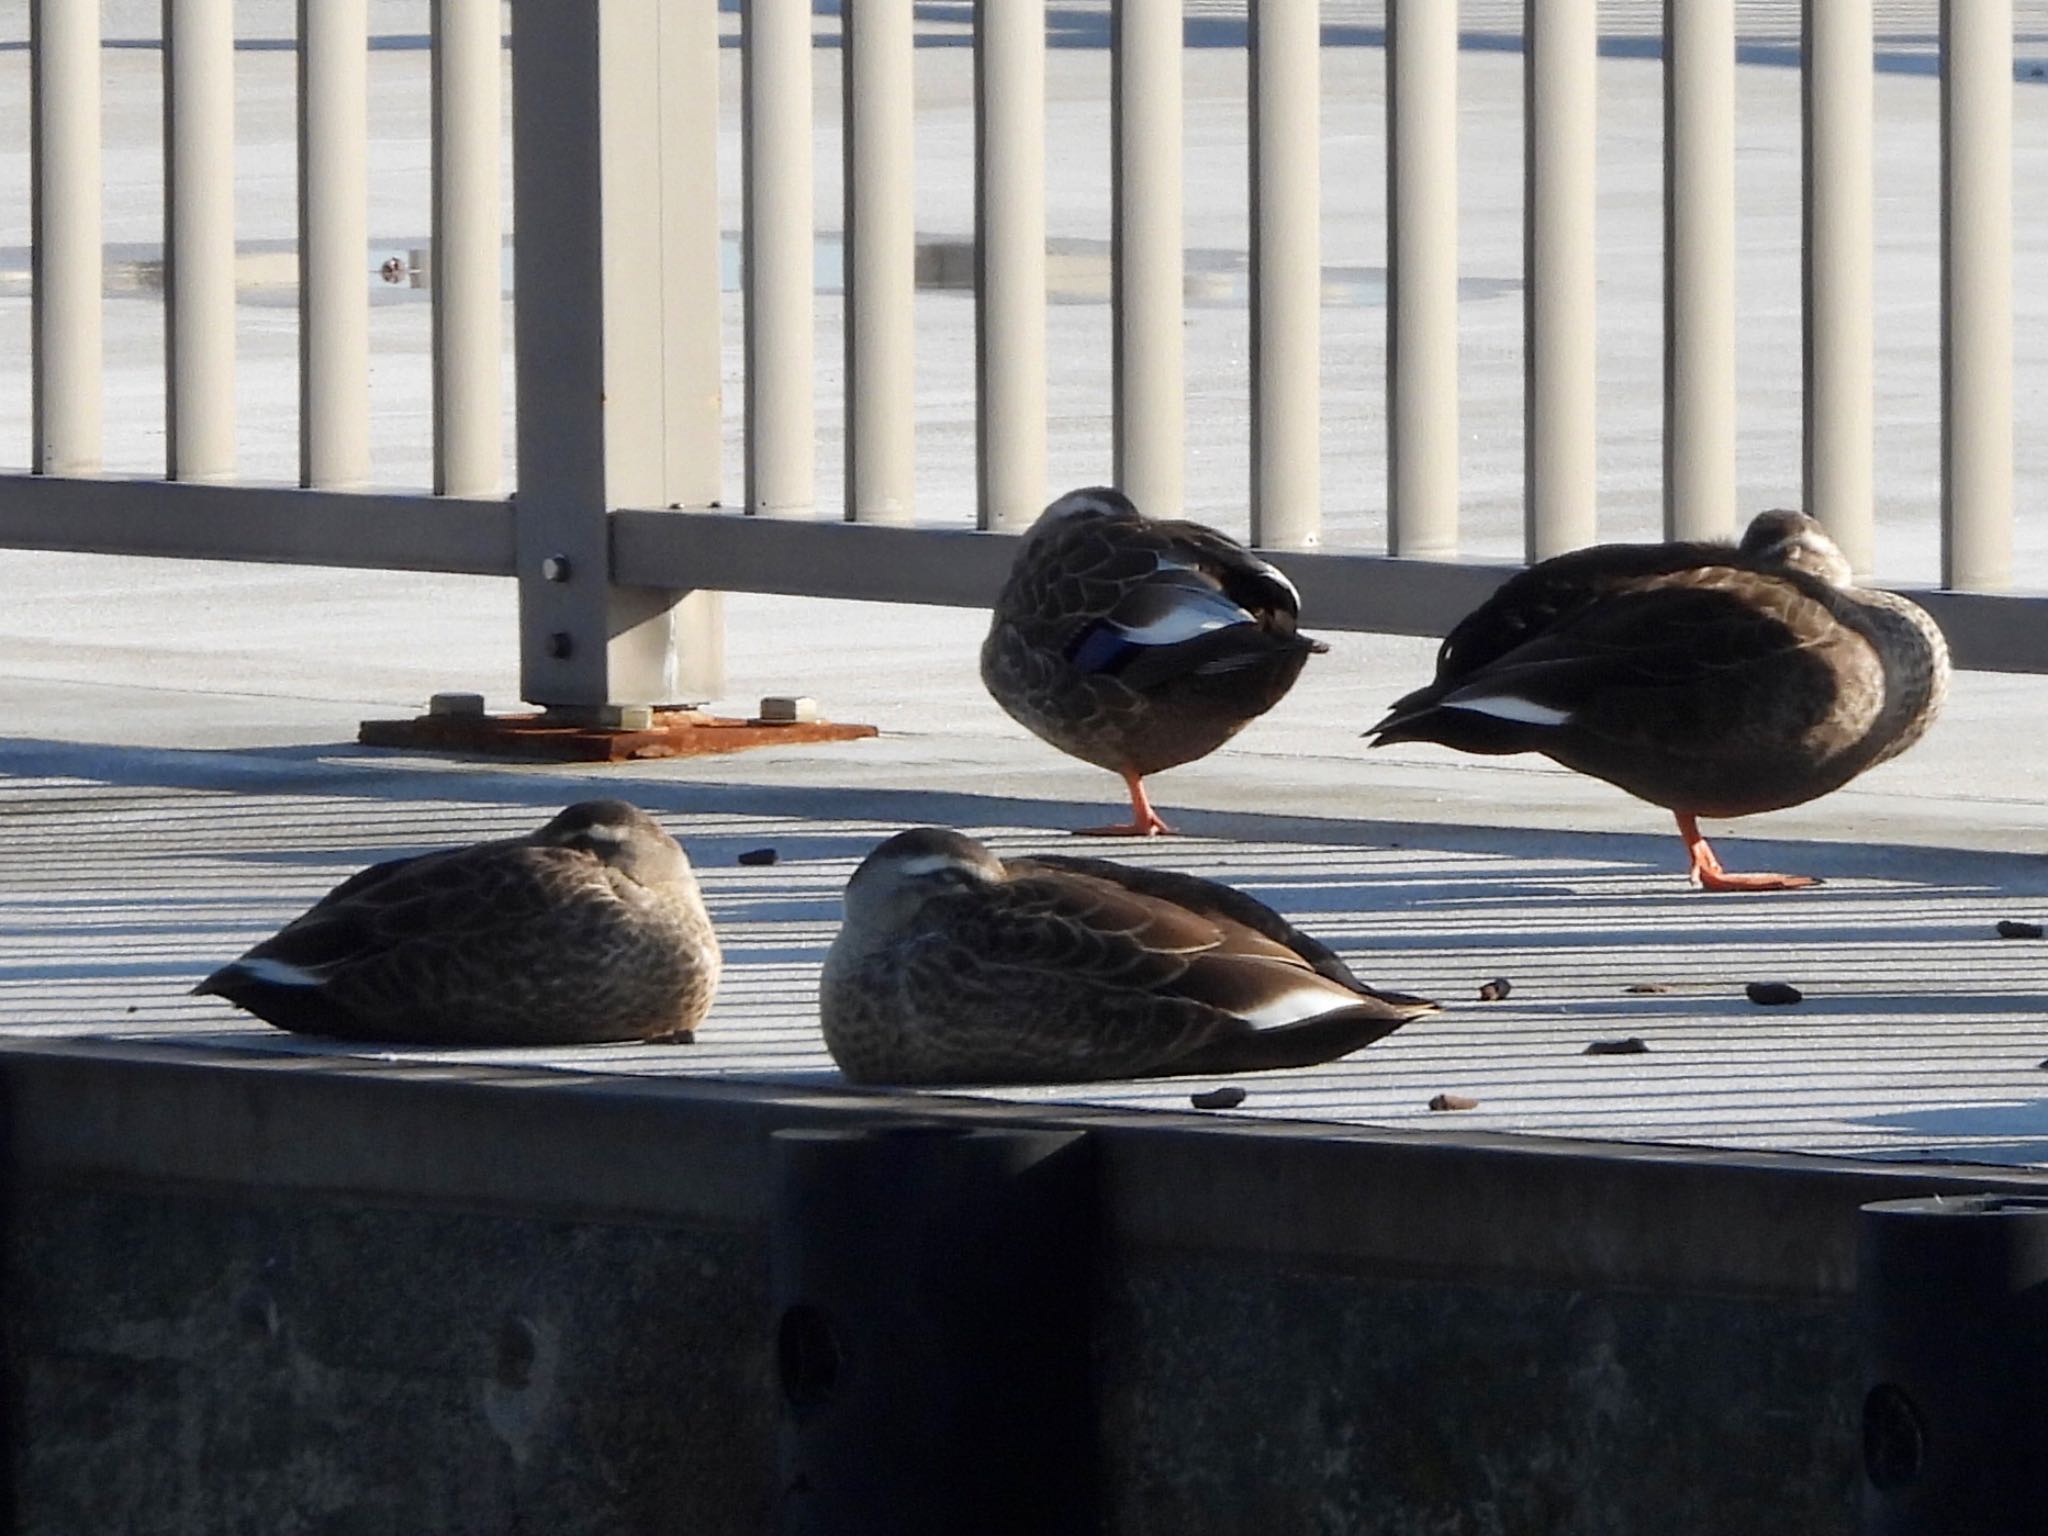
x=1894, y=1444
x=807, y=1356
x=518, y=1348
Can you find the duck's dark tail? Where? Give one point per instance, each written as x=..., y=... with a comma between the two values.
x=1323, y=1038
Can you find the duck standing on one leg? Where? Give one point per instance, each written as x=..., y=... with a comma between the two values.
x=1136, y=644
x=590, y=929
x=956, y=966
x=1710, y=679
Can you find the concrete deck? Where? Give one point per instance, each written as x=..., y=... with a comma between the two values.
x=147, y=844
x=177, y=779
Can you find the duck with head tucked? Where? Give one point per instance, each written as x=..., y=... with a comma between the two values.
x=590, y=929
x=1708, y=678
x=956, y=966
x=1138, y=644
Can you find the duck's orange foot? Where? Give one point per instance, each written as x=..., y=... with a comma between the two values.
x=1708, y=874
x=1718, y=879
x=1152, y=827
x=1144, y=820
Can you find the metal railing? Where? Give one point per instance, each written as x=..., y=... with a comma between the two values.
x=615, y=142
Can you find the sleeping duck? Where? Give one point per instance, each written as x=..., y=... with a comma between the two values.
x=590, y=929
x=1710, y=679
x=956, y=966
x=1138, y=645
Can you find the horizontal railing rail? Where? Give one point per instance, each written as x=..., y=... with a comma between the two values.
x=615, y=148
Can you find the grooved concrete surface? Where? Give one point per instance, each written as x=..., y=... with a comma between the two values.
x=175, y=779
x=126, y=873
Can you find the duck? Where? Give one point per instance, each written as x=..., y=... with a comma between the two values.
x=590, y=929
x=954, y=965
x=1138, y=644
x=1709, y=678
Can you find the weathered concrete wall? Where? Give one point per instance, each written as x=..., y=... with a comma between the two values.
x=1261, y=1397
x=260, y=1296
x=199, y=1364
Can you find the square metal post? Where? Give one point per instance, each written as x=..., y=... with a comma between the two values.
x=615, y=261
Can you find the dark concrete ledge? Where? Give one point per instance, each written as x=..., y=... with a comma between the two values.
x=1477, y=1207
x=288, y=1292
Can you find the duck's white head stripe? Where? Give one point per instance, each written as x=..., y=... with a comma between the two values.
x=1506, y=706
x=278, y=973
x=928, y=864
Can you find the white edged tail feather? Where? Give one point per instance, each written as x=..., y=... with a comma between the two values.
x=1507, y=706
x=277, y=973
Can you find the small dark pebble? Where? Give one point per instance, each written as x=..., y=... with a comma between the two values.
x=1229, y=1096
x=2009, y=929
x=1773, y=994
x=1642, y=987
x=1628, y=1045
x=756, y=856
x=1496, y=989
x=1453, y=1101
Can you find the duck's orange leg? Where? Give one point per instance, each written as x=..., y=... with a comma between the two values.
x=1708, y=874
x=1144, y=820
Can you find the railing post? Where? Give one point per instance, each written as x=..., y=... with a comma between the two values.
x=779, y=256
x=199, y=239
x=615, y=113
x=1976, y=294
x=1286, y=274
x=468, y=256
x=881, y=262
x=1559, y=443
x=1422, y=278
x=1835, y=200
x=64, y=218
x=1009, y=259
x=1145, y=127
x=1699, y=268
x=334, y=214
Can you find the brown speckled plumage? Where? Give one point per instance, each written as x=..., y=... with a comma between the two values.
x=955, y=966
x=1138, y=644
x=590, y=929
x=1711, y=679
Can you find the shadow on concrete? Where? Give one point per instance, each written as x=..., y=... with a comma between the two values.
x=368, y=773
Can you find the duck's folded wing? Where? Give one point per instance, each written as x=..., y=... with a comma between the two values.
x=1688, y=661
x=1165, y=625
x=1245, y=924
x=1554, y=593
x=419, y=907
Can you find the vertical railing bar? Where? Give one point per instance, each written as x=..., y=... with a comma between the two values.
x=1009, y=245
x=1976, y=294
x=881, y=262
x=199, y=239
x=1146, y=243
x=65, y=231
x=1837, y=71
x=468, y=248
x=779, y=258
x=1699, y=268
x=692, y=302
x=334, y=289
x=1286, y=275
x=614, y=120
x=1422, y=278
x=1560, y=444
